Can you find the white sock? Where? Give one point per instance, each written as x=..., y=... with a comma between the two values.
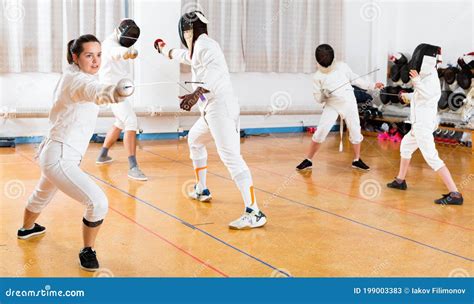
x=245, y=184
x=23, y=228
x=200, y=169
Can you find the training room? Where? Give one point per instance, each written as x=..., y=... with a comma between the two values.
x=239, y=138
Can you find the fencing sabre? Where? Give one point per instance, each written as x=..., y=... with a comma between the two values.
x=379, y=93
x=348, y=82
x=165, y=82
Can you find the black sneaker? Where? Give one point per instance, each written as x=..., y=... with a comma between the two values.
x=88, y=259
x=359, y=164
x=305, y=165
x=26, y=234
x=450, y=199
x=396, y=185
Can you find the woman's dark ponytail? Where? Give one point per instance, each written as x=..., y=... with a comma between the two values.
x=69, y=51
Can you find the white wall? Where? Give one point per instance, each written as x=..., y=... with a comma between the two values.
x=447, y=23
x=27, y=89
x=373, y=29
x=150, y=66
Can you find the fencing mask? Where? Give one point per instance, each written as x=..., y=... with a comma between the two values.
x=466, y=62
x=128, y=33
x=424, y=58
x=324, y=55
x=190, y=27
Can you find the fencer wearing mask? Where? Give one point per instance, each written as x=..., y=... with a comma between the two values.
x=72, y=119
x=332, y=87
x=220, y=112
x=117, y=53
x=424, y=121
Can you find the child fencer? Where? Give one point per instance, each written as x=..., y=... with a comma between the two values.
x=117, y=52
x=219, y=114
x=332, y=87
x=424, y=121
x=72, y=121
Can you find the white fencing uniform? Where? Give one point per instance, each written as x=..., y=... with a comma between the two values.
x=60, y=170
x=424, y=119
x=220, y=110
x=341, y=102
x=72, y=119
x=113, y=69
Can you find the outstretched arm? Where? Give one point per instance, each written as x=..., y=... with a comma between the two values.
x=88, y=89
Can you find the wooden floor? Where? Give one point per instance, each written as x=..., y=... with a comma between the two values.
x=334, y=222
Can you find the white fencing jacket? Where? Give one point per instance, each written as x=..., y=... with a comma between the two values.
x=75, y=107
x=424, y=99
x=114, y=67
x=208, y=65
x=339, y=77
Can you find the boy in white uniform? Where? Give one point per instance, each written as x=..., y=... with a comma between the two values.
x=219, y=114
x=332, y=87
x=424, y=121
x=117, y=50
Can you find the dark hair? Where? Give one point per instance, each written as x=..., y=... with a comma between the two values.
x=324, y=55
x=75, y=46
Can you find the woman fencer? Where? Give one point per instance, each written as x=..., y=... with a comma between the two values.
x=72, y=122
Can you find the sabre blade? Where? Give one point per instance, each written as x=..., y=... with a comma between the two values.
x=380, y=93
x=196, y=82
x=167, y=82
x=182, y=86
x=133, y=38
x=154, y=83
x=353, y=80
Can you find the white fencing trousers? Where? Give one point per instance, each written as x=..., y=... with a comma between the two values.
x=421, y=138
x=328, y=119
x=60, y=170
x=125, y=117
x=225, y=131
